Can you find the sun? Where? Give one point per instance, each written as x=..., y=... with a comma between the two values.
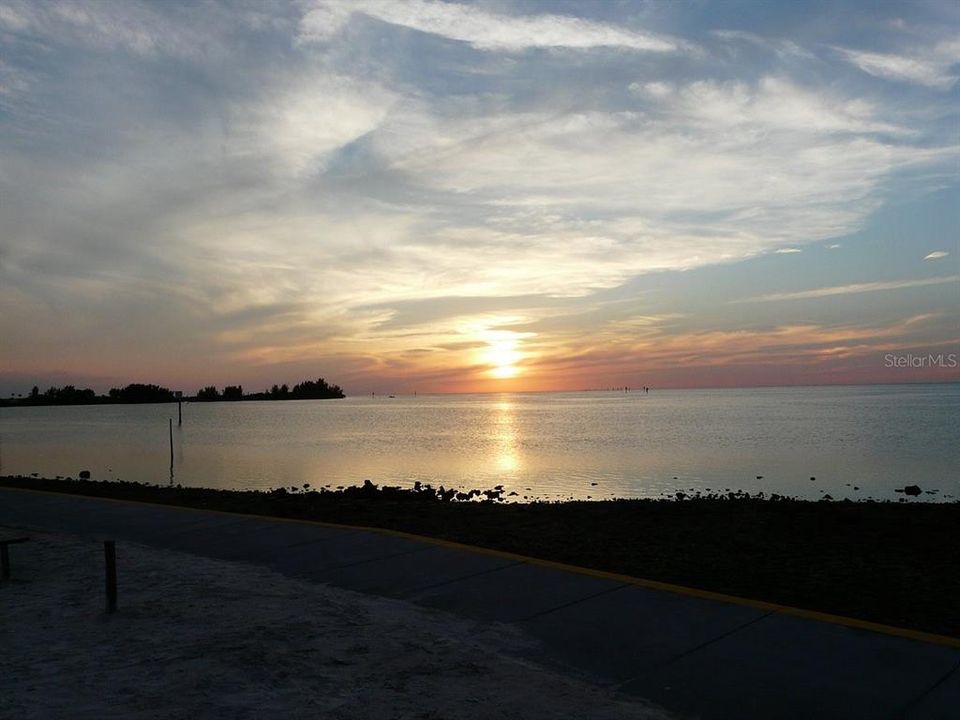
x=498, y=354
x=502, y=372
x=502, y=356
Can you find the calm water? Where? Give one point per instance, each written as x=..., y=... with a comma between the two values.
x=545, y=445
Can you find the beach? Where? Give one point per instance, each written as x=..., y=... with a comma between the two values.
x=195, y=637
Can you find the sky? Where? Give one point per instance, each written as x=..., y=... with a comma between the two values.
x=414, y=195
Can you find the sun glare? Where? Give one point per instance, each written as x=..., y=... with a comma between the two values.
x=502, y=355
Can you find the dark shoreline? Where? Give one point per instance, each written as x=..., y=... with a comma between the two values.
x=886, y=562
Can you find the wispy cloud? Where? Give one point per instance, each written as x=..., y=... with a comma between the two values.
x=931, y=67
x=783, y=48
x=779, y=104
x=776, y=165
x=297, y=128
x=850, y=289
x=139, y=28
x=482, y=29
x=786, y=352
x=936, y=255
x=788, y=251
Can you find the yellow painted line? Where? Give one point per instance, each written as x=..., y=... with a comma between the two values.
x=590, y=572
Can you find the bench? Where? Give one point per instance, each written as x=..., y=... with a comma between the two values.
x=5, y=555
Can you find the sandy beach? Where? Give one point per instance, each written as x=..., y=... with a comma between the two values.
x=195, y=637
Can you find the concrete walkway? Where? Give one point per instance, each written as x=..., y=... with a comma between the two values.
x=692, y=655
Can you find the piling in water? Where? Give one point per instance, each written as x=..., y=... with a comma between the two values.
x=110, y=565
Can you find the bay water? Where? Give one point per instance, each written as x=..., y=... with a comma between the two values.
x=856, y=441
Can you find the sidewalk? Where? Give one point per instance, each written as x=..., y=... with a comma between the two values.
x=690, y=654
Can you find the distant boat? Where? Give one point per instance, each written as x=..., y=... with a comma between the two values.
x=393, y=396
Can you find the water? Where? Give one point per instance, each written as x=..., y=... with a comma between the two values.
x=558, y=445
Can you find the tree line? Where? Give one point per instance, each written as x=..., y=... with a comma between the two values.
x=318, y=389
x=145, y=393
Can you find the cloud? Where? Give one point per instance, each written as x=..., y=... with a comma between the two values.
x=731, y=354
x=929, y=67
x=936, y=255
x=782, y=48
x=779, y=104
x=775, y=165
x=132, y=27
x=788, y=251
x=657, y=89
x=850, y=289
x=13, y=81
x=833, y=246
x=482, y=29
x=301, y=126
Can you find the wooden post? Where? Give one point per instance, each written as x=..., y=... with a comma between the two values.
x=179, y=412
x=5, y=555
x=110, y=563
x=171, y=446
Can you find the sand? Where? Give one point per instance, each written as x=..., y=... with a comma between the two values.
x=199, y=638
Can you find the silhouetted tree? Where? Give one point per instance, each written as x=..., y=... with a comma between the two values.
x=233, y=392
x=140, y=393
x=210, y=392
x=310, y=390
x=278, y=392
x=67, y=395
x=143, y=393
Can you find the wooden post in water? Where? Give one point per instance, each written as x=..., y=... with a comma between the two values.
x=179, y=408
x=171, y=446
x=110, y=564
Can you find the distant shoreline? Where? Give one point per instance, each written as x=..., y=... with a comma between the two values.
x=256, y=397
x=886, y=562
x=146, y=394
x=108, y=401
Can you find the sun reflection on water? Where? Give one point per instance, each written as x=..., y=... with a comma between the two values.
x=505, y=435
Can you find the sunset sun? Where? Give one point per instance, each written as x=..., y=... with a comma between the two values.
x=501, y=355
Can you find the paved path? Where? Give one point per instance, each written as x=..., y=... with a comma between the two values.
x=692, y=655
